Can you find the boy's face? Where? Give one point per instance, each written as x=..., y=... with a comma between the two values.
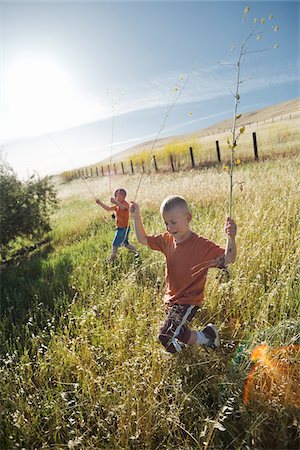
x=177, y=221
x=119, y=196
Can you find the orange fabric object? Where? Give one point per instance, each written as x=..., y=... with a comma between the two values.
x=122, y=215
x=187, y=264
x=275, y=377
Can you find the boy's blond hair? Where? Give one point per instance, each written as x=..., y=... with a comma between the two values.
x=173, y=201
x=121, y=191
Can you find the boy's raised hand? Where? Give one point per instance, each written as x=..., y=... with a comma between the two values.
x=113, y=200
x=230, y=227
x=134, y=209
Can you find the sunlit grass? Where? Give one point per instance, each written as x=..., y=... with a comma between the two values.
x=80, y=363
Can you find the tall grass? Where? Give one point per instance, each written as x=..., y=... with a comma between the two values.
x=80, y=364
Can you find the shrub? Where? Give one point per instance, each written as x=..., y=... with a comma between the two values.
x=25, y=208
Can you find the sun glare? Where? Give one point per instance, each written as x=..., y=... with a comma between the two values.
x=40, y=96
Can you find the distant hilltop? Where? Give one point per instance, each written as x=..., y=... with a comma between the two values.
x=283, y=109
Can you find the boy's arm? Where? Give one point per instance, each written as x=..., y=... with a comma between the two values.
x=230, y=249
x=107, y=208
x=120, y=205
x=138, y=224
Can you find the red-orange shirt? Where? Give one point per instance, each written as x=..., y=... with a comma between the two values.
x=187, y=264
x=122, y=215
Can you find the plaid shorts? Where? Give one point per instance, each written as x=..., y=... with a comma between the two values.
x=173, y=320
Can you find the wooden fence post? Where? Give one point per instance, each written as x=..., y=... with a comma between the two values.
x=155, y=163
x=122, y=165
x=255, y=146
x=108, y=169
x=86, y=172
x=131, y=165
x=91, y=171
x=102, y=171
x=115, y=169
x=143, y=167
x=192, y=158
x=172, y=163
x=218, y=151
x=97, y=171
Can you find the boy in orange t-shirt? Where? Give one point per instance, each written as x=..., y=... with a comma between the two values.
x=188, y=258
x=121, y=209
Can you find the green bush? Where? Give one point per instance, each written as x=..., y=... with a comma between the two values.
x=25, y=208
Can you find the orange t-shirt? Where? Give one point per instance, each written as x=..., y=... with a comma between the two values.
x=122, y=215
x=187, y=266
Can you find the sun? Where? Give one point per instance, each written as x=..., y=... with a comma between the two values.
x=40, y=96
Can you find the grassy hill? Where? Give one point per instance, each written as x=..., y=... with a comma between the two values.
x=277, y=128
x=80, y=365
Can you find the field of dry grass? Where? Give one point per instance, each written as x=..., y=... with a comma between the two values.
x=80, y=365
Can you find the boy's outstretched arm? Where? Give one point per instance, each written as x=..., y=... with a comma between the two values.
x=230, y=249
x=138, y=224
x=107, y=208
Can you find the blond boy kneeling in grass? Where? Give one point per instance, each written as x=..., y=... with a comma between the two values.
x=188, y=258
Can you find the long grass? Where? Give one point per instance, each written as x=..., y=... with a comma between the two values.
x=80, y=365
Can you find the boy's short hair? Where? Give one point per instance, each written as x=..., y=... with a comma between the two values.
x=173, y=201
x=122, y=191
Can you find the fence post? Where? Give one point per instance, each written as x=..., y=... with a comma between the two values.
x=192, y=158
x=172, y=163
x=115, y=169
x=91, y=171
x=86, y=172
x=255, y=146
x=123, y=171
x=97, y=171
x=155, y=164
x=143, y=167
x=131, y=165
x=218, y=151
x=102, y=171
x=108, y=168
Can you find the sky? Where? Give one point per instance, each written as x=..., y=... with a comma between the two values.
x=81, y=81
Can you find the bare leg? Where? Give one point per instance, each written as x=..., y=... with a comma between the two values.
x=132, y=248
x=113, y=254
x=193, y=338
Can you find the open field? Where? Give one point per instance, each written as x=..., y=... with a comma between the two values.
x=80, y=364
